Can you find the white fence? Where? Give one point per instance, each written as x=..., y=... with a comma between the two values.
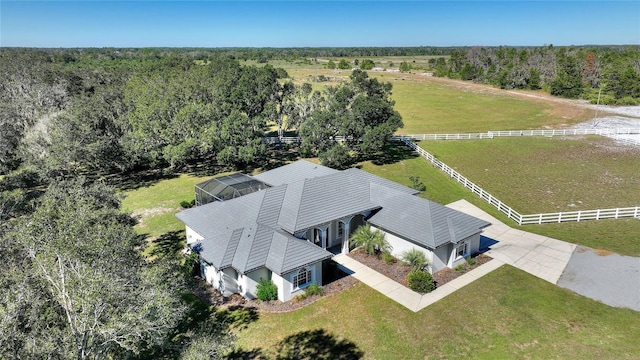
x=516, y=216
x=494, y=134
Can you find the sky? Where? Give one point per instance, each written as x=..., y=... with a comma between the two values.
x=87, y=23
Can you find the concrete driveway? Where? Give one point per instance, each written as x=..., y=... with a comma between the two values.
x=538, y=255
x=609, y=278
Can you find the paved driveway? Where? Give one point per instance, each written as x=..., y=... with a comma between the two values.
x=610, y=278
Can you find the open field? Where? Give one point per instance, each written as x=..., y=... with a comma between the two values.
x=439, y=105
x=543, y=175
x=506, y=314
x=619, y=236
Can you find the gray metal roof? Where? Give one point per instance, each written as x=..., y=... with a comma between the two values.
x=293, y=172
x=256, y=230
x=421, y=221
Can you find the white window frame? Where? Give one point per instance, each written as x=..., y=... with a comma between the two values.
x=463, y=244
x=295, y=278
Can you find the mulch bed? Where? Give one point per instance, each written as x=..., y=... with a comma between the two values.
x=213, y=297
x=397, y=271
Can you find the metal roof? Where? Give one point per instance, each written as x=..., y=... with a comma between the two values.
x=256, y=230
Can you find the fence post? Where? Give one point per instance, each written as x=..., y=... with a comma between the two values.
x=540, y=218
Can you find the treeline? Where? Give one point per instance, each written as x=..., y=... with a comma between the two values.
x=65, y=119
x=610, y=75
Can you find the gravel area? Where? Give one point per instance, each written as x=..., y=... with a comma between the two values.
x=610, y=278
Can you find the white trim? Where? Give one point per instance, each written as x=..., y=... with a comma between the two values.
x=310, y=273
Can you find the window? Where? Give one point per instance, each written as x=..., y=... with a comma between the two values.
x=340, y=229
x=462, y=249
x=302, y=278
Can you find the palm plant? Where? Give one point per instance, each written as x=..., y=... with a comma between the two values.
x=372, y=241
x=415, y=258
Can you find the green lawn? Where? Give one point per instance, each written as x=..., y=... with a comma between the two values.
x=157, y=204
x=543, y=175
x=504, y=315
x=620, y=236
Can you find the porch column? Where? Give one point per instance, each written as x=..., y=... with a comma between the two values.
x=323, y=236
x=346, y=234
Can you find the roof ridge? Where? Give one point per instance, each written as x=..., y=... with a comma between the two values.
x=451, y=228
x=299, y=203
x=233, y=255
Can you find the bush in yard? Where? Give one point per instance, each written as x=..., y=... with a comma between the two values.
x=420, y=281
x=388, y=258
x=313, y=289
x=187, y=204
x=266, y=290
x=415, y=258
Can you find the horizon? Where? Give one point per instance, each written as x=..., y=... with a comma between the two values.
x=317, y=24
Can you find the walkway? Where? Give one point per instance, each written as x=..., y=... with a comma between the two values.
x=611, y=279
x=405, y=296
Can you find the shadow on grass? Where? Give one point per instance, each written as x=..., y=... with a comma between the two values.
x=237, y=317
x=393, y=152
x=167, y=244
x=241, y=354
x=138, y=179
x=317, y=345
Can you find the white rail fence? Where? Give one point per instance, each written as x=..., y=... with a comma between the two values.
x=516, y=133
x=514, y=215
x=613, y=133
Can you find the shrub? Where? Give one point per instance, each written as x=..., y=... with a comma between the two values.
x=471, y=261
x=187, y=204
x=420, y=281
x=266, y=290
x=388, y=258
x=415, y=258
x=417, y=184
x=372, y=241
x=312, y=290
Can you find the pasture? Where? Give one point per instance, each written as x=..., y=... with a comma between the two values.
x=542, y=175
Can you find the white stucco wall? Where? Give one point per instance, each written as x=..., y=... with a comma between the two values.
x=192, y=236
x=251, y=280
x=400, y=245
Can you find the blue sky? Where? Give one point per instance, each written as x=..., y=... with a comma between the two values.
x=317, y=23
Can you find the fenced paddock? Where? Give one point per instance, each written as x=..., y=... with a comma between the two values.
x=522, y=219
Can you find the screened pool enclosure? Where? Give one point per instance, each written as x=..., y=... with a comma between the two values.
x=227, y=187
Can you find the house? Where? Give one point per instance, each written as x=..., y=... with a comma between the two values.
x=300, y=214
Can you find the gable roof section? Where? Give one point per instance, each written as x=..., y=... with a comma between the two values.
x=421, y=221
x=293, y=172
x=319, y=200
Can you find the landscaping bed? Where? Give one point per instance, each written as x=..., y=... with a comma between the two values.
x=399, y=270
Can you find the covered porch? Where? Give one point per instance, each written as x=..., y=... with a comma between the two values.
x=334, y=236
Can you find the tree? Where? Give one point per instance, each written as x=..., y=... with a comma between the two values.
x=367, y=64
x=405, y=67
x=568, y=81
x=361, y=112
x=372, y=242
x=343, y=64
x=331, y=65
x=79, y=254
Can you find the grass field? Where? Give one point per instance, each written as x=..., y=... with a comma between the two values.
x=620, y=236
x=505, y=315
x=157, y=204
x=543, y=175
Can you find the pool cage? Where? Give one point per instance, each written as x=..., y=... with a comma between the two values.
x=227, y=187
